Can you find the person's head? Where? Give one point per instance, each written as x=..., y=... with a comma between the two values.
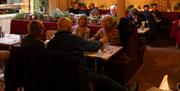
x=42, y=2
x=107, y=21
x=35, y=27
x=134, y=12
x=146, y=7
x=94, y=13
x=76, y=6
x=130, y=7
x=91, y=5
x=113, y=10
x=82, y=21
x=154, y=7
x=64, y=24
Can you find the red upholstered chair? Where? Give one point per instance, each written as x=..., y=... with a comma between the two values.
x=175, y=32
x=19, y=26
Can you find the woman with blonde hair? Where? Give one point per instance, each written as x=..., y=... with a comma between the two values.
x=107, y=34
x=81, y=29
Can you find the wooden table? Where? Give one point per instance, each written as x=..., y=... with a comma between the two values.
x=105, y=55
x=10, y=40
x=142, y=31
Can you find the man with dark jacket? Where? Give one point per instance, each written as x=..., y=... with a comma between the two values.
x=66, y=43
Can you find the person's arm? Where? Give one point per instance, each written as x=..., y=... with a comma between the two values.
x=92, y=46
x=87, y=33
x=74, y=28
x=96, y=36
x=85, y=45
x=115, y=39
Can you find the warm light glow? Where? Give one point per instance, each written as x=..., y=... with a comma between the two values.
x=31, y=6
x=164, y=83
x=99, y=3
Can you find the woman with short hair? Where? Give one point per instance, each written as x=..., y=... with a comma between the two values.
x=32, y=39
x=107, y=34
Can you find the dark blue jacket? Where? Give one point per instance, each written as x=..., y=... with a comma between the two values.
x=65, y=42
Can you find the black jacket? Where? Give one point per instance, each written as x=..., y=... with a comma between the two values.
x=65, y=42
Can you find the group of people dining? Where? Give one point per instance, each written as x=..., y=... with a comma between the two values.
x=75, y=39
x=152, y=18
x=92, y=10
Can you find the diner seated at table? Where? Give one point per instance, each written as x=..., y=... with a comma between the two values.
x=75, y=8
x=66, y=43
x=81, y=29
x=151, y=23
x=107, y=34
x=92, y=8
x=94, y=13
x=135, y=17
x=35, y=29
x=113, y=11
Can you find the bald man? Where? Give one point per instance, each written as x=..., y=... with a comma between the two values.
x=66, y=43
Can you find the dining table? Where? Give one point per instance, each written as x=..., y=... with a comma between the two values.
x=9, y=40
x=104, y=54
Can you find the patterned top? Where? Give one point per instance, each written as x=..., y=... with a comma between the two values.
x=113, y=37
x=82, y=32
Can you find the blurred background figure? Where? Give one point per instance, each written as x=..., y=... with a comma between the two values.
x=113, y=11
x=75, y=8
x=43, y=7
x=156, y=13
x=150, y=22
x=81, y=28
x=130, y=7
x=95, y=13
x=146, y=13
x=134, y=17
x=92, y=8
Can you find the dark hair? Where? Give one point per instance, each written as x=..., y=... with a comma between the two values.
x=154, y=4
x=178, y=16
x=146, y=5
x=35, y=26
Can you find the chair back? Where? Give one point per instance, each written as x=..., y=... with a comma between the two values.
x=38, y=70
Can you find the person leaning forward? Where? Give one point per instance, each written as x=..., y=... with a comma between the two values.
x=66, y=43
